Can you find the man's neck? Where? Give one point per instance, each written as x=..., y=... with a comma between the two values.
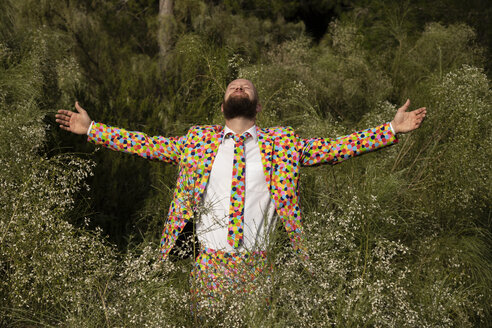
x=240, y=124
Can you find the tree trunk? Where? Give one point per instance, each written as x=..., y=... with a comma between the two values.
x=166, y=27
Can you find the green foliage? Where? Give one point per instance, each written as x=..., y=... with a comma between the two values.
x=397, y=238
x=44, y=260
x=463, y=99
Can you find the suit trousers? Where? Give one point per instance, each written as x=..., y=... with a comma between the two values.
x=219, y=275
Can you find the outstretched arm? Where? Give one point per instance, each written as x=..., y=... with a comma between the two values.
x=327, y=150
x=138, y=143
x=316, y=151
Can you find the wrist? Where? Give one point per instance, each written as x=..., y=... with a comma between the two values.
x=394, y=127
x=89, y=128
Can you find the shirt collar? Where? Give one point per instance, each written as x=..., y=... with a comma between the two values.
x=251, y=130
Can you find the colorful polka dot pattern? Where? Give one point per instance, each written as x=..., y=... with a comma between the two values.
x=282, y=154
x=236, y=211
x=159, y=148
x=320, y=150
x=217, y=273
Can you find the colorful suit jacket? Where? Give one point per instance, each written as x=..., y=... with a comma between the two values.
x=282, y=154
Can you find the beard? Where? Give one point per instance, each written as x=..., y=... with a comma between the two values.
x=236, y=106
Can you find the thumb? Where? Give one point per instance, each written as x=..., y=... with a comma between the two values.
x=78, y=108
x=405, y=106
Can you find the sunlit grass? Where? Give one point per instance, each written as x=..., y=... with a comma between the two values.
x=397, y=238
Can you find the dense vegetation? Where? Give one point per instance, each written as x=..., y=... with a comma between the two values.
x=397, y=238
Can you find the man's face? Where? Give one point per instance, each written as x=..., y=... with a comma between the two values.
x=240, y=88
x=240, y=100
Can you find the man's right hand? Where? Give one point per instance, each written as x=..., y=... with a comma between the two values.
x=77, y=123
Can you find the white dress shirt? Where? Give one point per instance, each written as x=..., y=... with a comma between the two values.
x=259, y=210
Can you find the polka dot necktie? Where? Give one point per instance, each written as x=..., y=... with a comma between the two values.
x=236, y=210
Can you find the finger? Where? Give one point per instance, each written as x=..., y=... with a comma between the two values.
x=67, y=123
x=62, y=117
x=63, y=127
x=78, y=108
x=405, y=106
x=62, y=121
x=65, y=112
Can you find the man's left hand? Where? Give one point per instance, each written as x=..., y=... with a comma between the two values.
x=408, y=121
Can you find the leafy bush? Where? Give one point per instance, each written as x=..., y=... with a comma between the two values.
x=397, y=238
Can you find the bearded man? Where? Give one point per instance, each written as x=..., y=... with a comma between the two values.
x=237, y=180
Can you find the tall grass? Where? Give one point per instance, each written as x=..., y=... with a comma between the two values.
x=397, y=238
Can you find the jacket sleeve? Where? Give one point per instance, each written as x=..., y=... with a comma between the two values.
x=157, y=148
x=326, y=150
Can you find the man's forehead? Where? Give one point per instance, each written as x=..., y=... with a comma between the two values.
x=241, y=81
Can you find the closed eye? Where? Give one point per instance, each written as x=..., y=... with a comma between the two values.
x=243, y=87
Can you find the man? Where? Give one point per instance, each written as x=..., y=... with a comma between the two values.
x=236, y=180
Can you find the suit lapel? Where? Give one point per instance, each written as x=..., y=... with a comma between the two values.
x=265, y=142
x=208, y=151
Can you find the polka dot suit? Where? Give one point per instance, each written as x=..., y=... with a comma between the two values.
x=282, y=154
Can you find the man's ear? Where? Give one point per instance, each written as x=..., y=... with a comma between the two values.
x=258, y=108
x=222, y=107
